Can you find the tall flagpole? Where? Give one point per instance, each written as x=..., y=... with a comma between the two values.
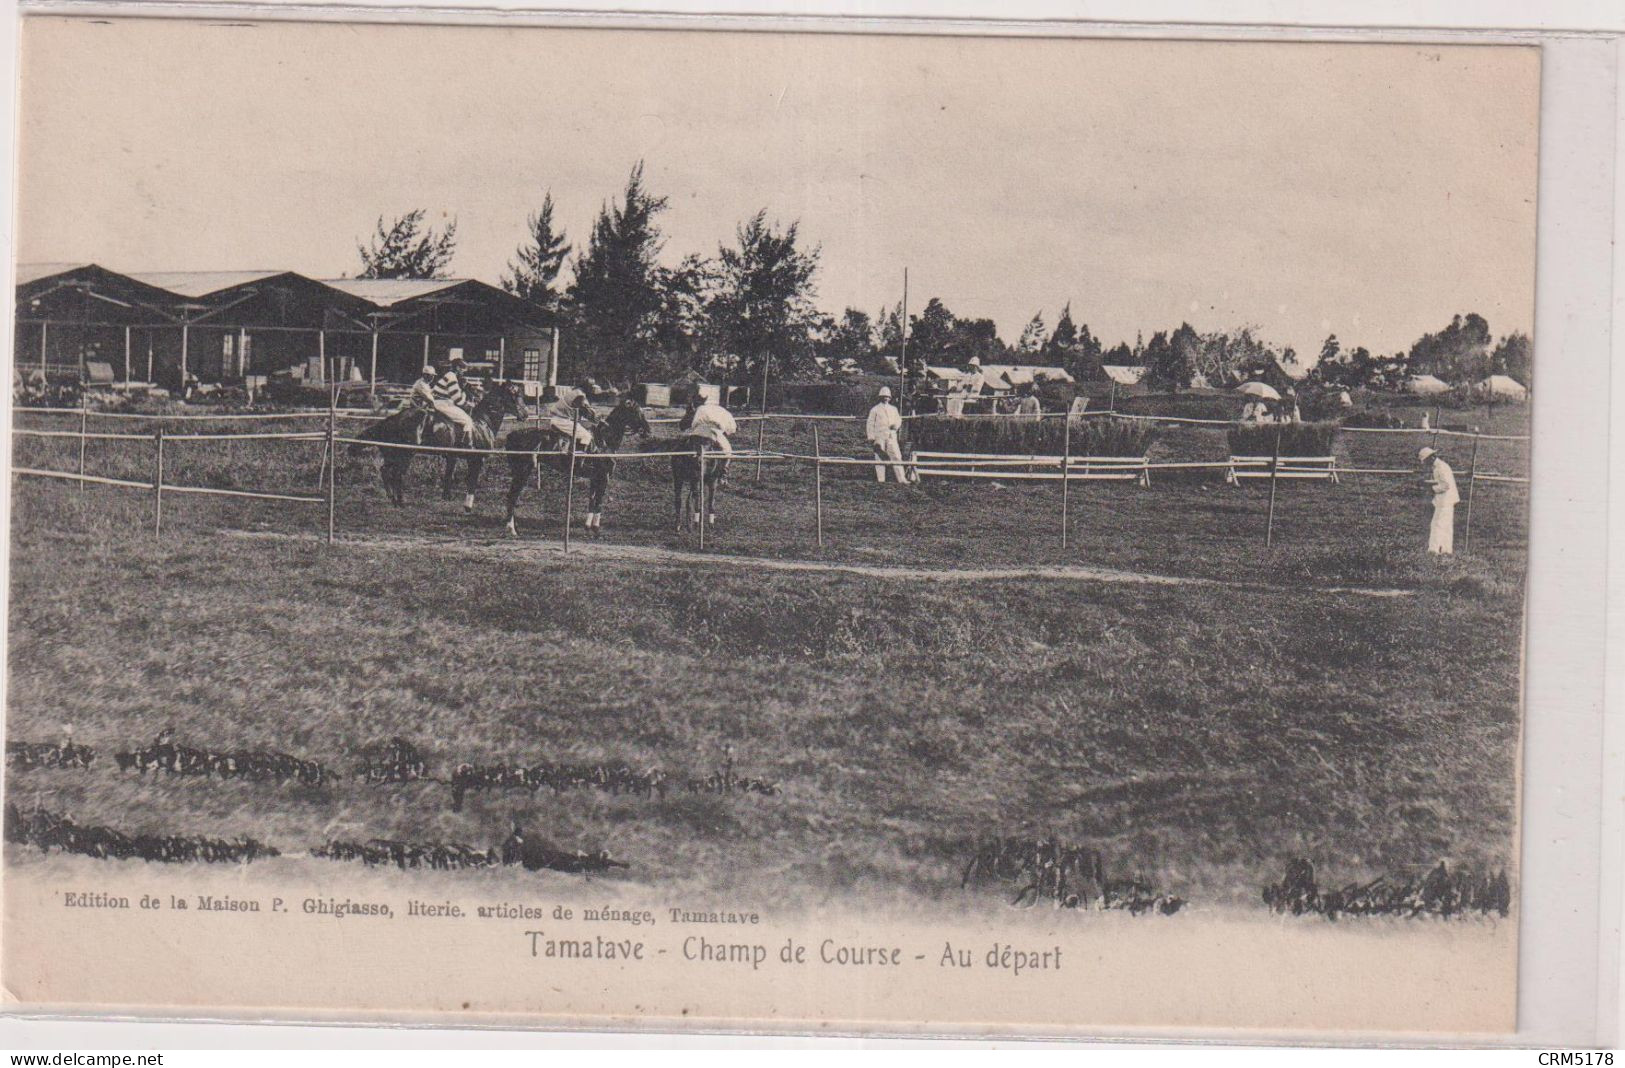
x=902, y=363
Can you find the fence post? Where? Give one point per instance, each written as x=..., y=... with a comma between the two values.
x=761, y=423
x=1275, y=466
x=1472, y=481
x=818, y=486
x=158, y=482
x=699, y=458
x=332, y=452
x=1066, y=474
x=570, y=478
x=84, y=418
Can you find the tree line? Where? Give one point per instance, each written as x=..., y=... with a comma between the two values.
x=628, y=316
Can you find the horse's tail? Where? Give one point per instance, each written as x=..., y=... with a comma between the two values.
x=375, y=432
x=398, y=428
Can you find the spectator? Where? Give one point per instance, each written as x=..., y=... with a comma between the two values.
x=881, y=430
x=1441, y=480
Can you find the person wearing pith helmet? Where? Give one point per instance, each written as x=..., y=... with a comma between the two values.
x=1441, y=480
x=881, y=430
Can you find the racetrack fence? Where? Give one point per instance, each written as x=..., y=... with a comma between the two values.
x=1064, y=470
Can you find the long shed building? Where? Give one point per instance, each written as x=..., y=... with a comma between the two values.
x=246, y=326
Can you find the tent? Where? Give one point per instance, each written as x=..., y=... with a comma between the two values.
x=1425, y=385
x=1504, y=387
x=1124, y=374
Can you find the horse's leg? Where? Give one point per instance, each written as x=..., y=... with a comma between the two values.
x=677, y=495
x=449, y=472
x=476, y=467
x=595, y=501
x=519, y=470
x=394, y=475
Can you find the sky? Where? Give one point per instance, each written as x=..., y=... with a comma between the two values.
x=1370, y=191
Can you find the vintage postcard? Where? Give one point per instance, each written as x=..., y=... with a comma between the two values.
x=798, y=531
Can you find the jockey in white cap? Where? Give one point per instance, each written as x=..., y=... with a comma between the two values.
x=449, y=398
x=573, y=416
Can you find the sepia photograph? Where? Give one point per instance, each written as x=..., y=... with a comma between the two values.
x=782, y=530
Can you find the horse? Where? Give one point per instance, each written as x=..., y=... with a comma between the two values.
x=685, y=481
x=528, y=448
x=500, y=401
x=420, y=426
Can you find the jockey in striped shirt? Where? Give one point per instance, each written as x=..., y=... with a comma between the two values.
x=449, y=397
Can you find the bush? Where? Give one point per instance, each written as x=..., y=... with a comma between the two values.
x=825, y=398
x=1377, y=418
x=1020, y=437
x=1196, y=404
x=1297, y=439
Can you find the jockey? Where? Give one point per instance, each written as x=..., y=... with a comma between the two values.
x=573, y=416
x=449, y=397
x=422, y=395
x=713, y=423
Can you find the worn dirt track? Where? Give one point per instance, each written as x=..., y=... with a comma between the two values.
x=551, y=553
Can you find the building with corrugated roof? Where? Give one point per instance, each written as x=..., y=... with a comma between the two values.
x=170, y=327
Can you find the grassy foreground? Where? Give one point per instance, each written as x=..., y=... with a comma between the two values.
x=1199, y=734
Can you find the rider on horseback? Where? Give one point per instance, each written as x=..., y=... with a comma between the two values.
x=422, y=396
x=712, y=423
x=573, y=416
x=448, y=398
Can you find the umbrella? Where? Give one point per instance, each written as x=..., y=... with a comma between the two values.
x=1258, y=389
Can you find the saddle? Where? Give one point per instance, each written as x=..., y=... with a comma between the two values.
x=481, y=438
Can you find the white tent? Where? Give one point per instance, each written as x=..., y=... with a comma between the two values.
x=1504, y=386
x=1124, y=374
x=1425, y=384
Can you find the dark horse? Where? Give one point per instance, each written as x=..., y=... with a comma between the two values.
x=532, y=446
x=686, y=488
x=420, y=426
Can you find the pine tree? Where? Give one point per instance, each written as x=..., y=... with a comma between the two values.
x=763, y=304
x=616, y=298
x=538, y=261
x=407, y=249
x=1031, y=342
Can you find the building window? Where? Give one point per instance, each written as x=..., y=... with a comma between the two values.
x=533, y=365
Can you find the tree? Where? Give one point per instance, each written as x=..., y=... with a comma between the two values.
x=407, y=249
x=763, y=306
x=1331, y=349
x=933, y=334
x=1063, y=340
x=1031, y=342
x=617, y=297
x=1087, y=356
x=1513, y=357
x=1458, y=353
x=531, y=276
x=852, y=337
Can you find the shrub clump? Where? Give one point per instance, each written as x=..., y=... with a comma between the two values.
x=1297, y=439
x=1023, y=437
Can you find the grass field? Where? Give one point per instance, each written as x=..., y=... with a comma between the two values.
x=1200, y=733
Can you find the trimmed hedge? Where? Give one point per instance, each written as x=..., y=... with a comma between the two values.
x=1297, y=439
x=1020, y=437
